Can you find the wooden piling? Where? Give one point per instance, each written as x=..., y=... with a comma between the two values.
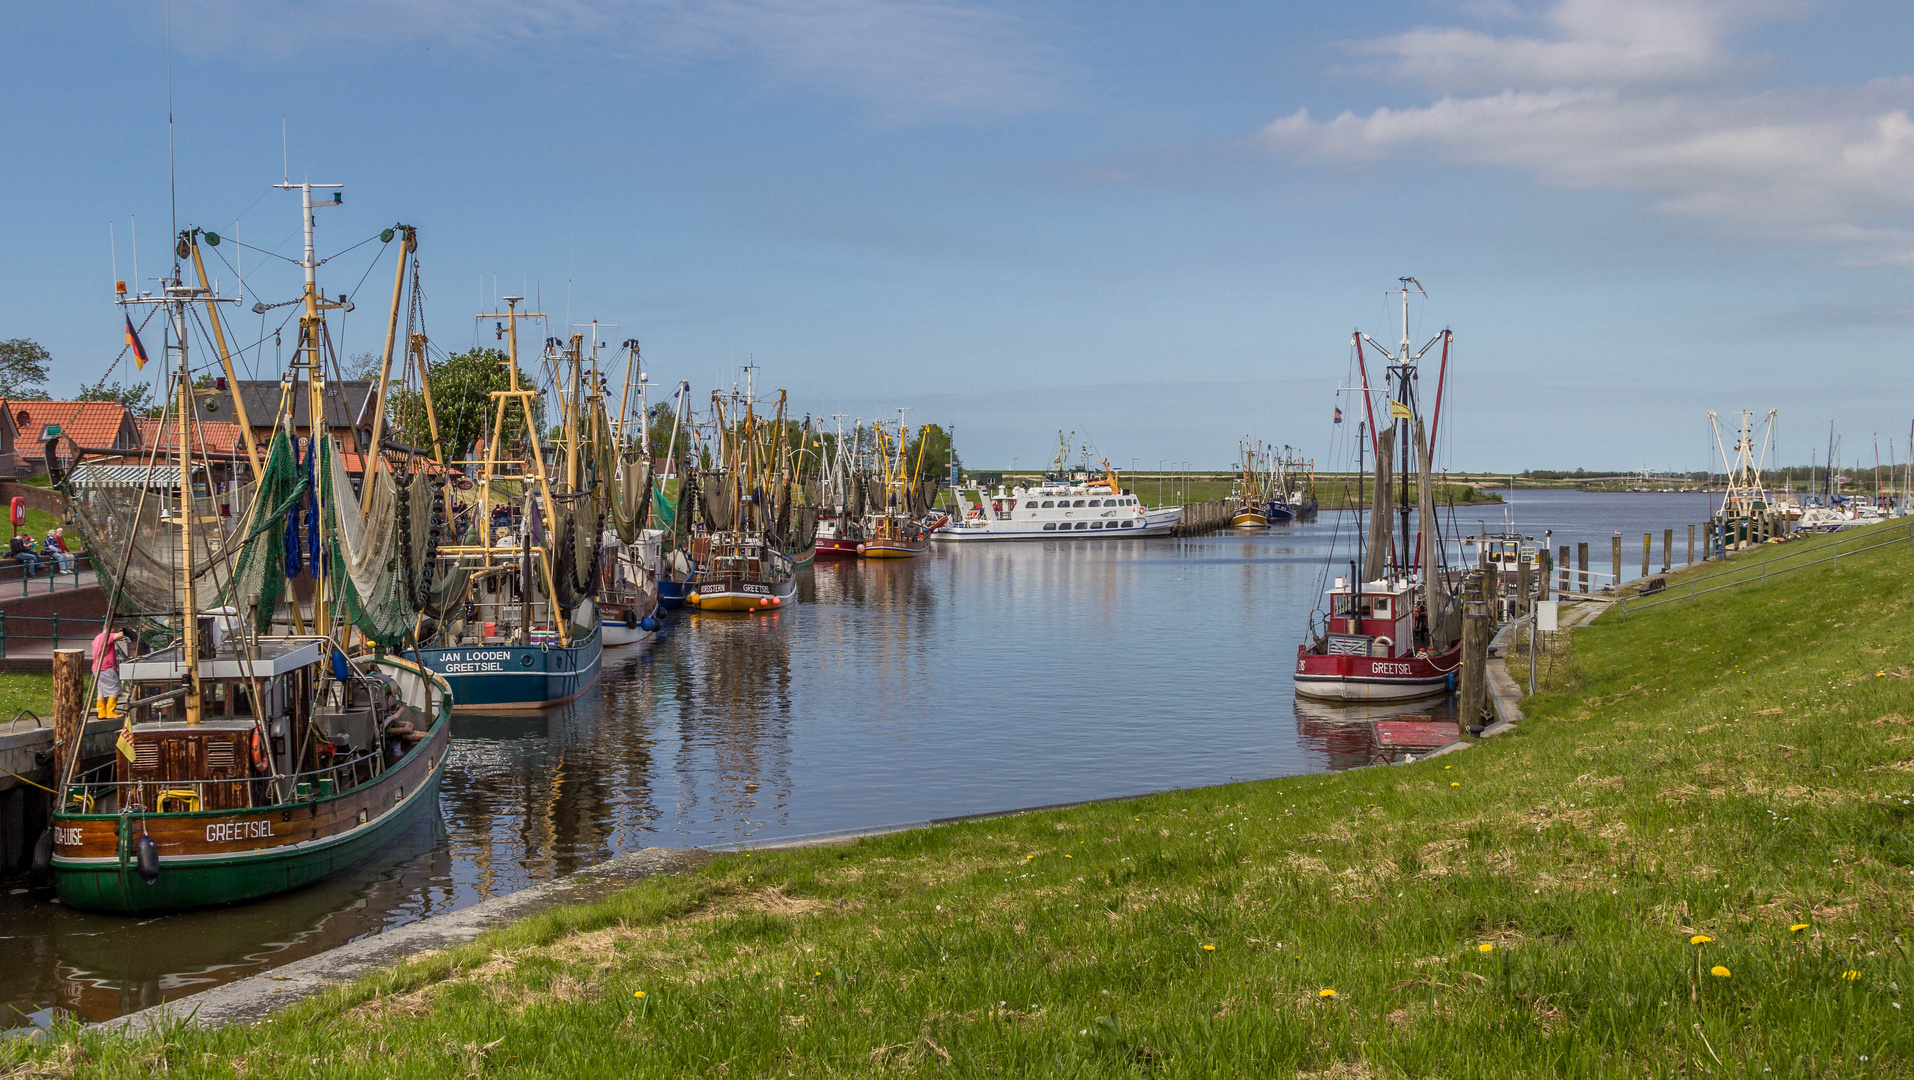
x=1542, y=573
x=1521, y=586
x=1581, y=562
x=69, y=707
x=1615, y=560
x=1478, y=627
x=1561, y=574
x=1667, y=549
x=1647, y=550
x=1691, y=545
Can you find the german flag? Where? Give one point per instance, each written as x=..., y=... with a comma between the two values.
x=133, y=343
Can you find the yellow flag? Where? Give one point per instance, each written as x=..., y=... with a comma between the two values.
x=125, y=742
x=1399, y=411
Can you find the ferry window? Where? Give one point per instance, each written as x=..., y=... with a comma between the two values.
x=1079, y=502
x=1128, y=524
x=1048, y=502
x=1096, y=502
x=1049, y=525
x=1096, y=524
x=1082, y=525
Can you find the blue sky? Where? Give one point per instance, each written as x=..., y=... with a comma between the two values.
x=1155, y=225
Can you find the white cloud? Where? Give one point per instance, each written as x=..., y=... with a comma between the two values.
x=903, y=57
x=1649, y=98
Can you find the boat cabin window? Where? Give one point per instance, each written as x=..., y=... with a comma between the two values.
x=1079, y=502
x=1082, y=525
x=1096, y=524
x=1049, y=525
x=1048, y=502
x=1342, y=606
x=1382, y=606
x=1096, y=502
x=1128, y=524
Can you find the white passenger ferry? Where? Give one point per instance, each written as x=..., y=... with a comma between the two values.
x=1055, y=510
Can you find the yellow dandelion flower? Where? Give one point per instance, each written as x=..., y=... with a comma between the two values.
x=1454, y=783
x=1700, y=939
x=1448, y=766
x=640, y=993
x=1485, y=947
x=1067, y=855
x=1798, y=927
x=1719, y=972
x=818, y=973
x=1325, y=992
x=1209, y=948
x=1850, y=975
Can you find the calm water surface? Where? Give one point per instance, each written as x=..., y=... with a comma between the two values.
x=975, y=679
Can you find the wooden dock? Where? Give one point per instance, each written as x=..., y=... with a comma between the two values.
x=1204, y=517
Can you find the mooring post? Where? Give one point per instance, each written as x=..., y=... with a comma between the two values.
x=1667, y=549
x=1615, y=561
x=69, y=707
x=1561, y=573
x=1478, y=626
x=1521, y=585
x=1581, y=564
x=1647, y=547
x=1691, y=545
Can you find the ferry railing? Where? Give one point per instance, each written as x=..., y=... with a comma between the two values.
x=1829, y=554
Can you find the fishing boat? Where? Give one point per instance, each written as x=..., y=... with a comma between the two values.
x=894, y=526
x=1392, y=629
x=746, y=503
x=524, y=632
x=249, y=762
x=628, y=594
x=1252, y=496
x=1293, y=494
x=841, y=495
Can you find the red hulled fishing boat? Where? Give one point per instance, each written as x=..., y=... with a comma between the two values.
x=1393, y=628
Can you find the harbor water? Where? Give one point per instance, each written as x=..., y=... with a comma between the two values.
x=976, y=679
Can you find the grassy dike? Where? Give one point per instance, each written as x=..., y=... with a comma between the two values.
x=1693, y=859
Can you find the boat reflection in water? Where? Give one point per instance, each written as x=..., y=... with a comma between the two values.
x=1345, y=732
x=96, y=967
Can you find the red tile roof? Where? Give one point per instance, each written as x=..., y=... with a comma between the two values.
x=207, y=436
x=89, y=423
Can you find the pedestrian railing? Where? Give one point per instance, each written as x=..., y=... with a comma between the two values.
x=1751, y=575
x=15, y=582
x=25, y=631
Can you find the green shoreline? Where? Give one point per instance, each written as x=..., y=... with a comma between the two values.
x=1738, y=770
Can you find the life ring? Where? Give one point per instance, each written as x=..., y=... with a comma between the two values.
x=260, y=764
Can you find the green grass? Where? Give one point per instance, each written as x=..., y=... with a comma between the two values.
x=1729, y=769
x=27, y=690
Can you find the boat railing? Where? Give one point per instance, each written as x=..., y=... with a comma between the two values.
x=310, y=786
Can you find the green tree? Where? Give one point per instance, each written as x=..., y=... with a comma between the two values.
x=933, y=442
x=462, y=387
x=137, y=397
x=24, y=364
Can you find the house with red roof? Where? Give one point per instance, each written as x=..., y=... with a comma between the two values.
x=93, y=425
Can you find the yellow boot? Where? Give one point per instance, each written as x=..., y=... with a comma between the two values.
x=109, y=708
